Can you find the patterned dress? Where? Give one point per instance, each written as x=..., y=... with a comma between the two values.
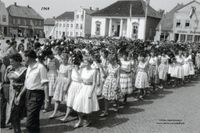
x=126, y=78
x=110, y=88
x=53, y=66
x=82, y=102
x=142, y=81
x=61, y=83
x=153, y=72
x=197, y=60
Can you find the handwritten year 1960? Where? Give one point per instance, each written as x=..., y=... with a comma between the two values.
x=45, y=8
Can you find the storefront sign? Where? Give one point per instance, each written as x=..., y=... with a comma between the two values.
x=188, y=32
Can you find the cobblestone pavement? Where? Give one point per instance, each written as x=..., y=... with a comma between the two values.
x=174, y=110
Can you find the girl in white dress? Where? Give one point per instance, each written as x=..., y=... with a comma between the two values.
x=142, y=80
x=61, y=84
x=197, y=60
x=179, y=68
x=86, y=101
x=75, y=83
x=163, y=69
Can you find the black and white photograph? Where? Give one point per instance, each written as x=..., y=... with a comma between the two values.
x=100, y=66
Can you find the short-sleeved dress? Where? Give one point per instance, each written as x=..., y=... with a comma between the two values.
x=61, y=83
x=74, y=88
x=53, y=66
x=163, y=68
x=110, y=88
x=126, y=78
x=82, y=102
x=142, y=81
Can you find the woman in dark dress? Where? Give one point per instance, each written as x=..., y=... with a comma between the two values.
x=16, y=75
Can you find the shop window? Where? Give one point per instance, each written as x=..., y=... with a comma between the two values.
x=98, y=27
x=189, y=38
x=182, y=38
x=197, y=39
x=135, y=30
x=178, y=23
x=187, y=23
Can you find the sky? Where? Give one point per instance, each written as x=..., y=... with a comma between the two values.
x=57, y=7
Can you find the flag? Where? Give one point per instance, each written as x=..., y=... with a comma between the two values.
x=192, y=12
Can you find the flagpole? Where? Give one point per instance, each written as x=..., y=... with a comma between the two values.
x=146, y=16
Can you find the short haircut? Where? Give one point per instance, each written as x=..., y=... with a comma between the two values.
x=31, y=54
x=16, y=57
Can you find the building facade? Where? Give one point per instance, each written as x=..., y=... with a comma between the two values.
x=183, y=24
x=25, y=21
x=126, y=19
x=49, y=24
x=73, y=24
x=3, y=19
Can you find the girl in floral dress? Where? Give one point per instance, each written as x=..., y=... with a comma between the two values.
x=142, y=80
x=111, y=90
x=61, y=84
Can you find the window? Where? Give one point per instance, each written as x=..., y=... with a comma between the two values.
x=71, y=25
x=82, y=17
x=76, y=26
x=178, y=23
x=135, y=30
x=63, y=25
x=28, y=22
x=187, y=23
x=60, y=25
x=189, y=38
x=182, y=38
x=67, y=33
x=67, y=25
x=59, y=32
x=77, y=16
x=98, y=27
x=81, y=26
x=71, y=33
x=76, y=33
x=4, y=18
x=197, y=39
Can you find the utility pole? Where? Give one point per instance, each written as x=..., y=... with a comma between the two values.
x=146, y=16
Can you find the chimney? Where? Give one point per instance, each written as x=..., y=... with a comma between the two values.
x=28, y=6
x=15, y=3
x=90, y=8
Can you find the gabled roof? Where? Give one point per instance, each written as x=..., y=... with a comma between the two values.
x=168, y=19
x=49, y=22
x=66, y=15
x=23, y=12
x=122, y=8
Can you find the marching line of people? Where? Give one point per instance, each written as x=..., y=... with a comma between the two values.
x=79, y=75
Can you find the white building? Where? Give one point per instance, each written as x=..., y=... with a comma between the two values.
x=73, y=24
x=3, y=19
x=126, y=18
x=181, y=24
x=49, y=24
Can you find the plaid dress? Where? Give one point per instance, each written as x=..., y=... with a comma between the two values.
x=126, y=78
